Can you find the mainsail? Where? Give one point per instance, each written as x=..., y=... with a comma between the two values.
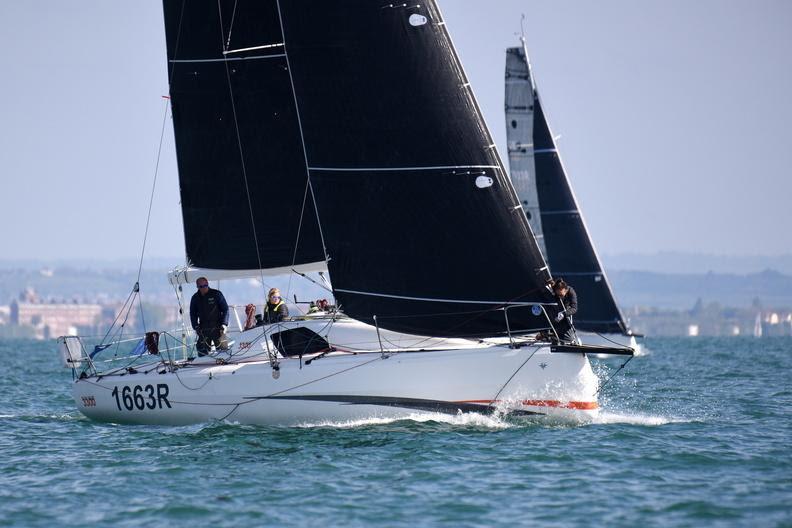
x=422, y=226
x=244, y=195
x=543, y=186
x=420, y=221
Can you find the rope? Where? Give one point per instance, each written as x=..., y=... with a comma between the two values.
x=302, y=135
x=239, y=144
x=495, y=399
x=151, y=204
x=297, y=240
x=231, y=27
x=613, y=375
x=117, y=316
x=608, y=340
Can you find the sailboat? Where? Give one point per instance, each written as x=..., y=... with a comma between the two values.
x=544, y=190
x=343, y=137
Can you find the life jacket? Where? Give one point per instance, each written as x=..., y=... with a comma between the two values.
x=272, y=314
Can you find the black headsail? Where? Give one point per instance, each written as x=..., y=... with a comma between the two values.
x=422, y=226
x=543, y=186
x=237, y=137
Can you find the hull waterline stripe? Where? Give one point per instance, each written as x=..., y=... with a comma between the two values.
x=430, y=299
x=578, y=405
x=393, y=169
x=446, y=407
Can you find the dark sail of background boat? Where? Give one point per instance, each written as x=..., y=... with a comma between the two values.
x=567, y=244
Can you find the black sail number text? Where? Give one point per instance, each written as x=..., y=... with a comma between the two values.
x=142, y=397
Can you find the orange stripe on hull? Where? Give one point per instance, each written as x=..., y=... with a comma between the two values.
x=582, y=406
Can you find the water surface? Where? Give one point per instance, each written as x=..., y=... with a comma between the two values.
x=697, y=432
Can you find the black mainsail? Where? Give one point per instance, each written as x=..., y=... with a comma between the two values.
x=543, y=186
x=422, y=226
x=420, y=221
x=241, y=161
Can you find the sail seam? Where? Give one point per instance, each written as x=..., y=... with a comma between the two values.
x=263, y=46
x=226, y=59
x=577, y=273
x=392, y=169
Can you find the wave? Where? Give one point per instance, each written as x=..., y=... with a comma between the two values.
x=461, y=419
x=609, y=417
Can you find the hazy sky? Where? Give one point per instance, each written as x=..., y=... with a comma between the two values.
x=674, y=119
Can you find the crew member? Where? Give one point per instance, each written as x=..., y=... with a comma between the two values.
x=275, y=310
x=568, y=306
x=209, y=317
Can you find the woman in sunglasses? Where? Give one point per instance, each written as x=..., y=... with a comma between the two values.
x=275, y=310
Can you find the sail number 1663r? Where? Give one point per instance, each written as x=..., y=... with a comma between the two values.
x=142, y=397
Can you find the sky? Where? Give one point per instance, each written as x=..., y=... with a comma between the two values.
x=674, y=120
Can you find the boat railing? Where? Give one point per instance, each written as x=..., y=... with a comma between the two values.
x=536, y=307
x=240, y=317
x=88, y=359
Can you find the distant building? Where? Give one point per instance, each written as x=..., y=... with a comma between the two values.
x=54, y=319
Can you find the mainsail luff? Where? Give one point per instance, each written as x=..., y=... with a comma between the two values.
x=566, y=242
x=240, y=161
x=422, y=226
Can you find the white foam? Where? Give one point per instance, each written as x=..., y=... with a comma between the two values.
x=466, y=419
x=607, y=417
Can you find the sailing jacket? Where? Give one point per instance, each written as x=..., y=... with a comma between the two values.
x=569, y=302
x=208, y=311
x=274, y=313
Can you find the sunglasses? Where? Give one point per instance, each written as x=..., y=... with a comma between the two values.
x=275, y=297
x=203, y=286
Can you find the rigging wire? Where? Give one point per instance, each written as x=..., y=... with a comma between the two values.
x=231, y=27
x=150, y=207
x=495, y=399
x=239, y=145
x=302, y=138
x=297, y=240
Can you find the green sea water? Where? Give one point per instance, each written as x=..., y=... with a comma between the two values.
x=696, y=433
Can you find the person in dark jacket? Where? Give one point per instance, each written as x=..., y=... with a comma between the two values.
x=209, y=317
x=275, y=310
x=568, y=306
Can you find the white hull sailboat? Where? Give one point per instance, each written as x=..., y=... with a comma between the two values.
x=342, y=383
x=299, y=151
